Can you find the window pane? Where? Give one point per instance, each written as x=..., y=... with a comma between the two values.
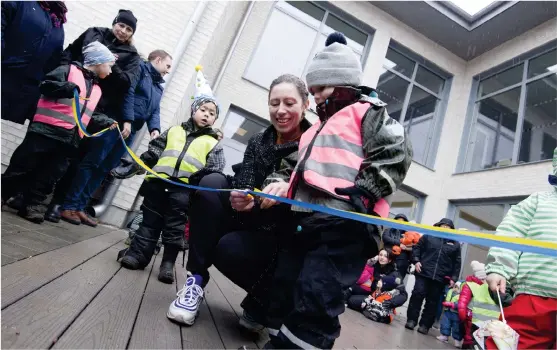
x=240, y=128
x=419, y=121
x=309, y=8
x=270, y=59
x=399, y=63
x=495, y=131
x=349, y=31
x=392, y=90
x=404, y=203
x=501, y=80
x=543, y=64
x=429, y=80
x=539, y=131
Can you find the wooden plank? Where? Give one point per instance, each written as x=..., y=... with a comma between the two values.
x=152, y=329
x=37, y=320
x=23, y=277
x=6, y=259
x=226, y=319
x=108, y=320
x=16, y=251
x=203, y=334
x=36, y=241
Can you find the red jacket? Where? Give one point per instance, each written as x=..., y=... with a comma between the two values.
x=466, y=297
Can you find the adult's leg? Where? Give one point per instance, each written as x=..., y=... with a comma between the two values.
x=402, y=266
x=23, y=164
x=333, y=262
x=173, y=231
x=416, y=301
x=355, y=302
x=99, y=148
x=356, y=289
x=144, y=242
x=209, y=216
x=433, y=295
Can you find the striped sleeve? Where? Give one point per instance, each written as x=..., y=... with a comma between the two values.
x=515, y=224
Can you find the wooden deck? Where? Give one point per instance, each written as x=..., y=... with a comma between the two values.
x=62, y=288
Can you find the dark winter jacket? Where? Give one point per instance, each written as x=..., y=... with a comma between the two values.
x=31, y=47
x=142, y=102
x=124, y=73
x=439, y=258
x=55, y=86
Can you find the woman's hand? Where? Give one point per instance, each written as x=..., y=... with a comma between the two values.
x=241, y=201
x=127, y=130
x=279, y=189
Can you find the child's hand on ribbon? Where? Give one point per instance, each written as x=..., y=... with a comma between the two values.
x=279, y=189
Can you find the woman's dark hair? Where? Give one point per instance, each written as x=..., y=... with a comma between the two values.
x=294, y=80
x=158, y=53
x=390, y=255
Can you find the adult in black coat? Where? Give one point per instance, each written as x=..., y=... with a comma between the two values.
x=391, y=238
x=32, y=41
x=437, y=262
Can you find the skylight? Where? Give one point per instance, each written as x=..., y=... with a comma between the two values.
x=472, y=7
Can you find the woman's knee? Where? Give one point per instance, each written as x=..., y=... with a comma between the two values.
x=214, y=180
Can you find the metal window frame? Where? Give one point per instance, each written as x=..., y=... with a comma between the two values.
x=329, y=9
x=467, y=144
x=434, y=134
x=420, y=203
x=246, y=114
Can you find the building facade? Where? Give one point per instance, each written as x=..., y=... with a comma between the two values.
x=477, y=94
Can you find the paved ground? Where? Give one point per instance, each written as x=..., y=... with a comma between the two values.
x=62, y=288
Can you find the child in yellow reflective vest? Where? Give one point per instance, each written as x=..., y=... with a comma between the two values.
x=450, y=324
x=178, y=154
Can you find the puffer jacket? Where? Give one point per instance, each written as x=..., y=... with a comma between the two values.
x=439, y=257
x=143, y=100
x=124, y=73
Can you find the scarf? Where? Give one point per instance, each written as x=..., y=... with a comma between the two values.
x=57, y=11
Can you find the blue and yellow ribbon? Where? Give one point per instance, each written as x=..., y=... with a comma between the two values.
x=479, y=238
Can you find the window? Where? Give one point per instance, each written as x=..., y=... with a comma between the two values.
x=515, y=115
x=310, y=24
x=407, y=204
x=481, y=217
x=239, y=126
x=414, y=91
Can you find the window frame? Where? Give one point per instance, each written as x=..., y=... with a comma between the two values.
x=420, y=204
x=470, y=127
x=329, y=9
x=440, y=110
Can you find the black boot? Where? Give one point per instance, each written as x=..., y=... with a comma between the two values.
x=423, y=329
x=166, y=271
x=32, y=213
x=130, y=263
x=53, y=213
x=410, y=325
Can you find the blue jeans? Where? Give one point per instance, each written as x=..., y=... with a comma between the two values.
x=104, y=155
x=450, y=322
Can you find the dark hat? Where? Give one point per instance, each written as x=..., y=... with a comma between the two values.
x=401, y=216
x=445, y=221
x=126, y=17
x=389, y=283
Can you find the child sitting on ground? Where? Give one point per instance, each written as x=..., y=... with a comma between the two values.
x=53, y=137
x=177, y=154
x=450, y=324
x=380, y=305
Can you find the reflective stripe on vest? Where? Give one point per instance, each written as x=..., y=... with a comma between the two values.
x=336, y=154
x=193, y=160
x=482, y=305
x=59, y=112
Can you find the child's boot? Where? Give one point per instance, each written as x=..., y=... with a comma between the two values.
x=443, y=338
x=458, y=343
x=166, y=270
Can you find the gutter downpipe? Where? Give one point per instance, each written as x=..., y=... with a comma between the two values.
x=100, y=209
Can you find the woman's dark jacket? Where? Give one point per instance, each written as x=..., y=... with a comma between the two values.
x=124, y=73
x=31, y=47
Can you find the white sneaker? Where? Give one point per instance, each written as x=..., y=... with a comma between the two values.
x=250, y=324
x=443, y=338
x=458, y=343
x=186, y=307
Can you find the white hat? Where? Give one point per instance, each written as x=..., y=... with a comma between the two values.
x=203, y=92
x=479, y=270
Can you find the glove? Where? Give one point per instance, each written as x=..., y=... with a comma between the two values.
x=125, y=171
x=448, y=304
x=360, y=198
x=387, y=304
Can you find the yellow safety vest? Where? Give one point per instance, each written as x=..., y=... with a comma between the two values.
x=482, y=305
x=452, y=299
x=193, y=160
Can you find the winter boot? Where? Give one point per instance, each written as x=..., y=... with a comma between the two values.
x=410, y=325
x=443, y=338
x=53, y=213
x=129, y=262
x=16, y=202
x=166, y=270
x=32, y=213
x=458, y=343
x=423, y=329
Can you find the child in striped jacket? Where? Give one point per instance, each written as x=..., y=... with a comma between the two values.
x=534, y=310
